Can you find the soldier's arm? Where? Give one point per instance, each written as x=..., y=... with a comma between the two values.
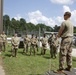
x=61, y=30
x=18, y=41
x=12, y=41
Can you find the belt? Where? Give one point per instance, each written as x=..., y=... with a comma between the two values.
x=66, y=37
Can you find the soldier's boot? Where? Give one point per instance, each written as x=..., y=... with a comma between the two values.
x=69, y=68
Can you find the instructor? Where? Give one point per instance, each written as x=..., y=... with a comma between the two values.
x=66, y=34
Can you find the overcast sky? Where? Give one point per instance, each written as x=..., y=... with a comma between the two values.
x=49, y=12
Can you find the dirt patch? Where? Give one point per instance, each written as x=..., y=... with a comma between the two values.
x=0, y=60
x=1, y=68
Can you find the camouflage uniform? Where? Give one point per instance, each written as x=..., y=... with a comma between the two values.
x=33, y=45
x=44, y=45
x=66, y=44
x=26, y=43
x=55, y=47
x=51, y=42
x=4, y=39
x=15, y=43
x=36, y=43
x=1, y=43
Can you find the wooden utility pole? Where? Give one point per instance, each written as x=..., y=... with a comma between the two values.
x=1, y=16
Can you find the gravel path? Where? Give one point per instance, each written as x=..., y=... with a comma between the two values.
x=1, y=68
x=1, y=71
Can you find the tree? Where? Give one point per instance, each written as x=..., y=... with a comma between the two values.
x=6, y=23
x=15, y=24
x=23, y=24
x=56, y=28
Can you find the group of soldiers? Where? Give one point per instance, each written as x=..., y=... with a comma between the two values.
x=33, y=44
x=66, y=34
x=30, y=44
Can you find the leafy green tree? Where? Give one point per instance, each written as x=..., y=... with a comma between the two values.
x=56, y=28
x=15, y=24
x=6, y=23
x=23, y=24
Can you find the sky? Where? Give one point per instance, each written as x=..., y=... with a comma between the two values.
x=49, y=12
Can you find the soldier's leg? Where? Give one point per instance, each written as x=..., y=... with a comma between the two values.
x=1, y=46
x=69, y=58
x=30, y=49
x=62, y=55
x=37, y=48
x=24, y=48
x=13, y=51
x=42, y=49
x=51, y=52
x=4, y=46
x=34, y=50
x=55, y=53
x=16, y=52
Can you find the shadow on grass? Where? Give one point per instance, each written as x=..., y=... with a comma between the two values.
x=46, y=57
x=8, y=55
x=21, y=53
x=74, y=60
x=24, y=53
x=9, y=50
x=36, y=74
x=39, y=54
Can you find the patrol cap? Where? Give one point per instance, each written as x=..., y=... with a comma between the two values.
x=67, y=13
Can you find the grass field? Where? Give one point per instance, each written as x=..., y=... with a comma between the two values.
x=29, y=65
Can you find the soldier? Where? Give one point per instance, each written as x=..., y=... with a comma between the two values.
x=66, y=33
x=1, y=43
x=36, y=43
x=57, y=43
x=4, y=39
x=44, y=44
x=15, y=43
x=51, y=42
x=33, y=44
x=26, y=43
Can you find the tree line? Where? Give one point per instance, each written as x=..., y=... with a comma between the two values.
x=11, y=26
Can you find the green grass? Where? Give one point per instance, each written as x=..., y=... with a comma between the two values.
x=29, y=65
